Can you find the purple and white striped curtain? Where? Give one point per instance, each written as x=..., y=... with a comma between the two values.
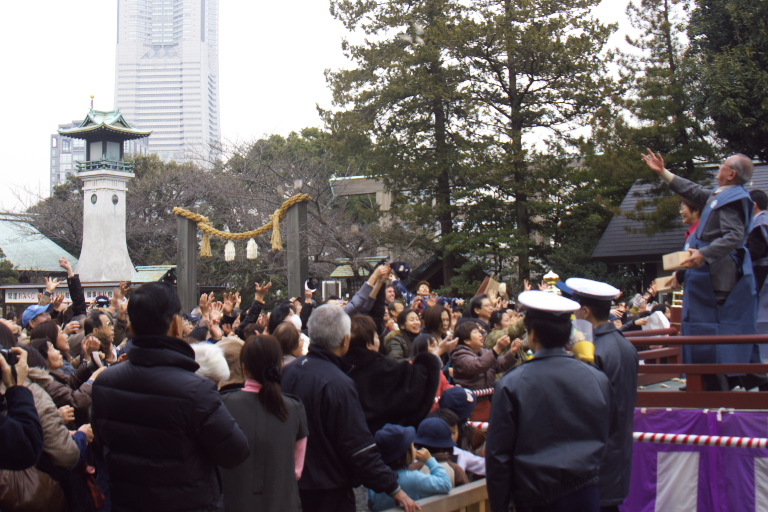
x=676, y=478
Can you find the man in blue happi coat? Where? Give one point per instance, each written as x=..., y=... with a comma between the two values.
x=720, y=292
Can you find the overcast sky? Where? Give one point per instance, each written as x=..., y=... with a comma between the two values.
x=272, y=57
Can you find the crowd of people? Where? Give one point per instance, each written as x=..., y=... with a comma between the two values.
x=130, y=404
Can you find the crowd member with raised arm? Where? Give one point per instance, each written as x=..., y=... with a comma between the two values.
x=721, y=296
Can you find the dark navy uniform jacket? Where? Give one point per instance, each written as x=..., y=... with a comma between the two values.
x=617, y=358
x=549, y=427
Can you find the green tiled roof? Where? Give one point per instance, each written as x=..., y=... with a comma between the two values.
x=27, y=248
x=99, y=123
x=151, y=273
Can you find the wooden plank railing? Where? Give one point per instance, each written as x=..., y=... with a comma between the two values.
x=695, y=396
x=472, y=497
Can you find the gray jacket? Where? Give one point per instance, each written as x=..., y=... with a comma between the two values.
x=726, y=230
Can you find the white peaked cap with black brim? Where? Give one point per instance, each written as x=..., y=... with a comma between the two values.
x=547, y=302
x=589, y=291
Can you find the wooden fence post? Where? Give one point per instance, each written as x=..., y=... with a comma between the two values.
x=297, y=258
x=186, y=264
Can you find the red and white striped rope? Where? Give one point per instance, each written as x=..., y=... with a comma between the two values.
x=647, y=437
x=725, y=441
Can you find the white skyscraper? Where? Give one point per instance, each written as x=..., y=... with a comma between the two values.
x=167, y=73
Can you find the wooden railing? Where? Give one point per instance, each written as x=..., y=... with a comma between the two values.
x=694, y=396
x=472, y=497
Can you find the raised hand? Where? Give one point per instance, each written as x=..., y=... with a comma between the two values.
x=122, y=310
x=216, y=332
x=262, y=290
x=216, y=312
x=543, y=286
x=205, y=304
x=58, y=302
x=527, y=285
x=432, y=300
x=90, y=345
x=423, y=455
x=447, y=345
x=51, y=284
x=229, y=303
x=66, y=265
x=654, y=161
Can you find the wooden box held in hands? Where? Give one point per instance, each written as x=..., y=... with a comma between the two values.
x=663, y=284
x=673, y=261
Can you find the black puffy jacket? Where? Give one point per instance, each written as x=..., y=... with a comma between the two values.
x=164, y=430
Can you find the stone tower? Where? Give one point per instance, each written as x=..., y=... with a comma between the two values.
x=105, y=175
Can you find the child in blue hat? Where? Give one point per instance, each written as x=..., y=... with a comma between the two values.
x=397, y=450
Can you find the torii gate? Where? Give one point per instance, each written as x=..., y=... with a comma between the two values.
x=294, y=211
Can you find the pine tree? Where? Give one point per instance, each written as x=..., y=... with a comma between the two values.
x=729, y=46
x=658, y=99
x=538, y=69
x=8, y=273
x=659, y=86
x=404, y=95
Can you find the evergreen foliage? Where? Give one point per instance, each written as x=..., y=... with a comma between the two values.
x=729, y=48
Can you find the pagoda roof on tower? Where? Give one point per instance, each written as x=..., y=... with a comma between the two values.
x=101, y=125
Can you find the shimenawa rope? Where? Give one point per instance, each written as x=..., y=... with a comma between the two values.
x=208, y=230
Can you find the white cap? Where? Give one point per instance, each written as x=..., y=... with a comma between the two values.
x=549, y=302
x=591, y=290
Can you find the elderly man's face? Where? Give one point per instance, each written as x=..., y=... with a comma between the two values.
x=42, y=317
x=726, y=174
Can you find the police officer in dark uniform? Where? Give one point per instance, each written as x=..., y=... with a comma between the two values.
x=617, y=358
x=550, y=421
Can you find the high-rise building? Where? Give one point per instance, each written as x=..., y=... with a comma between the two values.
x=167, y=74
x=67, y=152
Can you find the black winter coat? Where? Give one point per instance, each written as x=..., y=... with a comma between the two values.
x=21, y=434
x=341, y=452
x=617, y=358
x=164, y=430
x=392, y=390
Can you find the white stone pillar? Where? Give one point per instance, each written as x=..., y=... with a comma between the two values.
x=104, y=256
